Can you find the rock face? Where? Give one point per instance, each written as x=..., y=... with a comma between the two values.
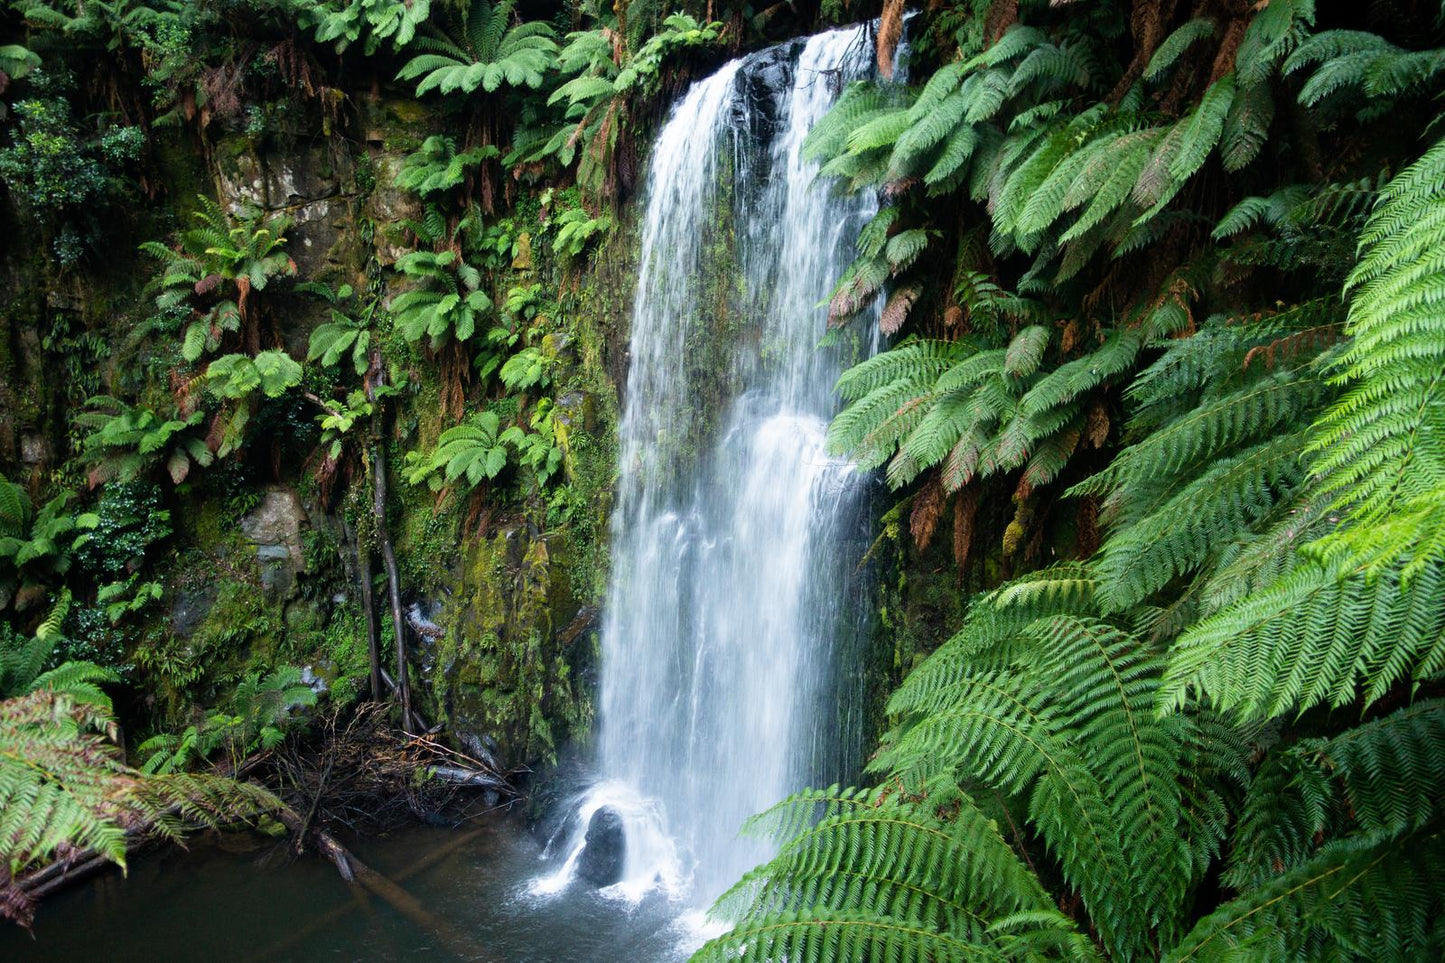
x=275, y=527
x=191, y=606
x=600, y=862
x=311, y=182
x=497, y=664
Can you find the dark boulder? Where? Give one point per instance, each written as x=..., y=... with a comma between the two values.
x=604, y=850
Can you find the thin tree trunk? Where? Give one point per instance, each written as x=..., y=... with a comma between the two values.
x=383, y=537
x=376, y=378
x=388, y=558
x=368, y=605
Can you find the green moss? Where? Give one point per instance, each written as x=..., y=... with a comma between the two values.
x=239, y=632
x=500, y=667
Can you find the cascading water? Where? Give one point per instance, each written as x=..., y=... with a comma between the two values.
x=735, y=598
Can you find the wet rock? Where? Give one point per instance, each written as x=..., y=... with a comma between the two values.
x=558, y=346
x=34, y=449
x=765, y=85
x=313, y=681
x=241, y=179
x=191, y=606
x=422, y=619
x=522, y=259
x=600, y=862
x=577, y=411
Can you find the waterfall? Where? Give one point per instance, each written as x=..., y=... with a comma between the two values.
x=729, y=668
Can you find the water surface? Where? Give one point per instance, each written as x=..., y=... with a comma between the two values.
x=213, y=906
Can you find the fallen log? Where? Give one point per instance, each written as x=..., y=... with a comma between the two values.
x=354, y=871
x=409, y=906
x=62, y=873
x=359, y=895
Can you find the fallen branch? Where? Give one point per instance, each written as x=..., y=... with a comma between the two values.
x=354, y=871
x=359, y=895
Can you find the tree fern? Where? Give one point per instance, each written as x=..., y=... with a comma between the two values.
x=438, y=166
x=23, y=665
x=468, y=454
x=1174, y=46
x=1204, y=128
x=1177, y=532
x=894, y=871
x=482, y=49
x=377, y=21
x=447, y=303
x=1258, y=410
x=1275, y=30
x=1008, y=728
x=1384, y=778
x=126, y=442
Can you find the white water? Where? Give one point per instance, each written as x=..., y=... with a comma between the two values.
x=735, y=596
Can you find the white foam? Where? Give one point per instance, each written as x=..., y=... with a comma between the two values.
x=650, y=862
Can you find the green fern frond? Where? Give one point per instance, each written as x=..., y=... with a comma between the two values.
x=1358, y=896
x=1174, y=534
x=1174, y=45
x=1382, y=442
x=1321, y=635
x=63, y=784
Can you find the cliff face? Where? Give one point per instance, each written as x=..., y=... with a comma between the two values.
x=257, y=563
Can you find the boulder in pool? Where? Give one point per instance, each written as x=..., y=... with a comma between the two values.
x=600, y=862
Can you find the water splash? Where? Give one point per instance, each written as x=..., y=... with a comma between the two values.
x=735, y=601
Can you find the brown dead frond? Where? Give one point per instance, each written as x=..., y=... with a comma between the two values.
x=896, y=311
x=890, y=31
x=927, y=509
x=965, y=508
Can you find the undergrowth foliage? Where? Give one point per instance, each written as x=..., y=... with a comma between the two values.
x=64, y=787
x=1146, y=272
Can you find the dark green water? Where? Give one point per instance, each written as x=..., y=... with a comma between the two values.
x=215, y=906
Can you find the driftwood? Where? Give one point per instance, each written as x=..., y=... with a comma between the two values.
x=354, y=871
x=458, y=776
x=359, y=900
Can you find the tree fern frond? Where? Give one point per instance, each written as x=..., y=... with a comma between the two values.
x=1174, y=45
x=1174, y=536
x=1379, y=898
x=1320, y=635
x=62, y=784
x=1382, y=442
x=1203, y=128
